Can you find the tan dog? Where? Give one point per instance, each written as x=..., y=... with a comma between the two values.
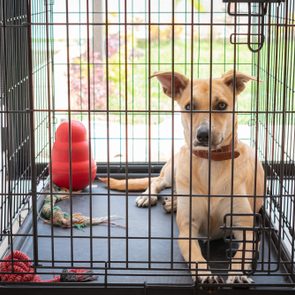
x=230, y=191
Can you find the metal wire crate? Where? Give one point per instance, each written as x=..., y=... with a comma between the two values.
x=92, y=60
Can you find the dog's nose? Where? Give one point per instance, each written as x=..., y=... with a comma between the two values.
x=203, y=134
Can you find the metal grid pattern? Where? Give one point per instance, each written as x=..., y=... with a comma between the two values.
x=15, y=124
x=274, y=129
x=91, y=60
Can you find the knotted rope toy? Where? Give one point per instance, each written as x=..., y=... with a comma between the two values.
x=17, y=267
x=53, y=214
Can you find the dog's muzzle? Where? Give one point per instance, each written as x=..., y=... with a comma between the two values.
x=203, y=137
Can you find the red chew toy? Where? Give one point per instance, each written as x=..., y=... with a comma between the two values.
x=79, y=157
x=17, y=267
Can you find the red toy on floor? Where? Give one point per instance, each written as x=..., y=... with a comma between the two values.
x=17, y=267
x=80, y=164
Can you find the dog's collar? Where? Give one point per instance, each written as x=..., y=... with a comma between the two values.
x=221, y=154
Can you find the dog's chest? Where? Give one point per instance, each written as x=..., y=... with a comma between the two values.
x=218, y=175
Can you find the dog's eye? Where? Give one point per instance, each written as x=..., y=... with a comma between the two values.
x=221, y=106
x=188, y=106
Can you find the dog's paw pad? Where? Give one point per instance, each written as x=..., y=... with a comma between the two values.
x=210, y=279
x=239, y=280
x=145, y=201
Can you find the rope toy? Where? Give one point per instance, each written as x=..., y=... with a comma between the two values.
x=17, y=267
x=53, y=214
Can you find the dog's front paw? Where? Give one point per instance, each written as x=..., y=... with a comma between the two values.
x=211, y=279
x=168, y=205
x=239, y=279
x=145, y=201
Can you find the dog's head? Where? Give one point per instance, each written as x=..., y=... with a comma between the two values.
x=221, y=104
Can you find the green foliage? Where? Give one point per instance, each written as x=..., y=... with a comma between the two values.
x=139, y=98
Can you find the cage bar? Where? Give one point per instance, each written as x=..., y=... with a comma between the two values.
x=92, y=61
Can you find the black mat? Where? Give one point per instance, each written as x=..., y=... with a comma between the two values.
x=137, y=249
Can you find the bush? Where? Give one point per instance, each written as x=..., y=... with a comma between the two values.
x=88, y=79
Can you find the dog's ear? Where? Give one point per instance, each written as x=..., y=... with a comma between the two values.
x=165, y=78
x=240, y=81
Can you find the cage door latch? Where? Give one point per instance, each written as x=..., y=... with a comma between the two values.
x=254, y=11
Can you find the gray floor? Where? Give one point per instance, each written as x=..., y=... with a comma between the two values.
x=142, y=223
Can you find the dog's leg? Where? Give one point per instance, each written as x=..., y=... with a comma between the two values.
x=189, y=226
x=243, y=258
x=198, y=264
x=149, y=197
x=245, y=255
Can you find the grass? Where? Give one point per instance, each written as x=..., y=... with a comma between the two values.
x=137, y=97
